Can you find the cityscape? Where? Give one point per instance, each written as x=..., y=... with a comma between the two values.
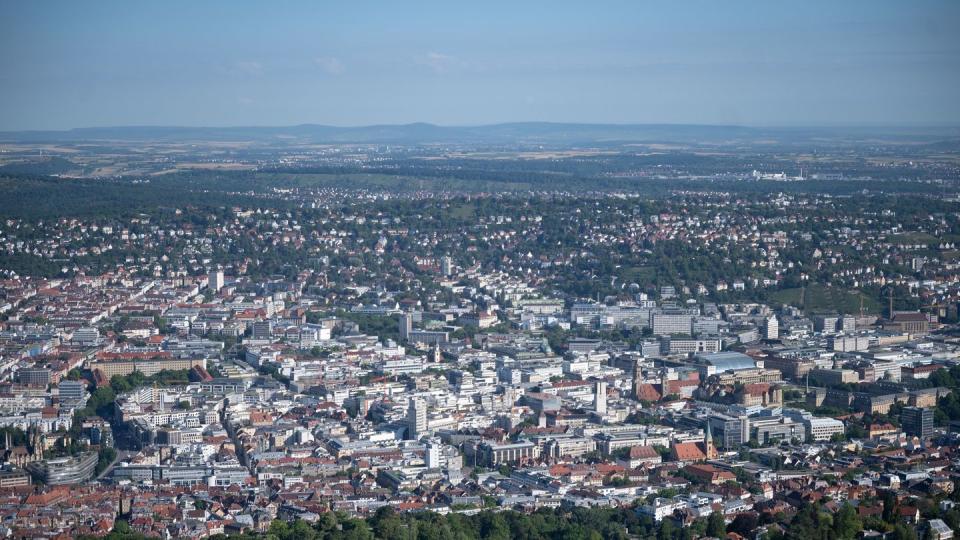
x=544, y=327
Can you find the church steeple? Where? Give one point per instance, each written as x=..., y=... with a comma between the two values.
x=708, y=448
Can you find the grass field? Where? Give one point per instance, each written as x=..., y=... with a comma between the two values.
x=822, y=298
x=913, y=238
x=464, y=211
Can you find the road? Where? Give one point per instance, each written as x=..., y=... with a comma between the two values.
x=122, y=455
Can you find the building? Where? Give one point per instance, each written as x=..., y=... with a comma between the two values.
x=823, y=429
x=661, y=508
x=685, y=345
x=731, y=431
x=791, y=368
x=12, y=479
x=833, y=377
x=72, y=391
x=431, y=455
x=569, y=447
x=583, y=345
x=86, y=336
x=825, y=324
x=847, y=324
x=695, y=451
x=262, y=331
x=600, y=397
x=416, y=419
x=910, y=323
x=715, y=363
x=849, y=343
x=66, y=470
x=491, y=454
x=406, y=325
x=772, y=429
x=938, y=530
x=148, y=367
x=215, y=280
x=34, y=376
x=917, y=421
x=481, y=319
x=708, y=474
x=446, y=266
x=771, y=328
x=668, y=323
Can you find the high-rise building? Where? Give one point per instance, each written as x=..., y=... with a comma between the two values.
x=847, y=324
x=771, y=328
x=665, y=323
x=446, y=266
x=215, y=280
x=432, y=454
x=416, y=418
x=600, y=397
x=72, y=391
x=262, y=330
x=917, y=421
x=825, y=324
x=406, y=325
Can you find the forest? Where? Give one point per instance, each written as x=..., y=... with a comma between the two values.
x=811, y=521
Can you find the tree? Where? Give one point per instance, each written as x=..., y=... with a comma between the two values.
x=846, y=523
x=716, y=525
x=743, y=524
x=902, y=532
x=667, y=530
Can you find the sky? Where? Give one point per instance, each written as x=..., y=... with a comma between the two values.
x=67, y=64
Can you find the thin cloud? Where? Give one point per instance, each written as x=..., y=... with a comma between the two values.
x=250, y=67
x=329, y=64
x=439, y=62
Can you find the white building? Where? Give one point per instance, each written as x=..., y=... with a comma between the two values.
x=771, y=329
x=822, y=429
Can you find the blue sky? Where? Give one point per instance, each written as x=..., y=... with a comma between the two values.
x=208, y=63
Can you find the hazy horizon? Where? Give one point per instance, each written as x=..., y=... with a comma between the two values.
x=856, y=126
x=226, y=64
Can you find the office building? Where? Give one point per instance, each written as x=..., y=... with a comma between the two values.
x=262, y=330
x=917, y=421
x=215, y=280
x=72, y=391
x=65, y=470
x=86, y=336
x=823, y=429
x=668, y=323
x=490, y=454
x=406, y=325
x=771, y=328
x=600, y=397
x=34, y=376
x=416, y=419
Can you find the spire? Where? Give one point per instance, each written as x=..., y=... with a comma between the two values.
x=708, y=449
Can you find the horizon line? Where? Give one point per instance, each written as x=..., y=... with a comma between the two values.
x=862, y=125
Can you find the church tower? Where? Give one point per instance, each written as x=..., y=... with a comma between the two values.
x=709, y=449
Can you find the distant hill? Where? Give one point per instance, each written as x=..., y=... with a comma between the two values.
x=509, y=133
